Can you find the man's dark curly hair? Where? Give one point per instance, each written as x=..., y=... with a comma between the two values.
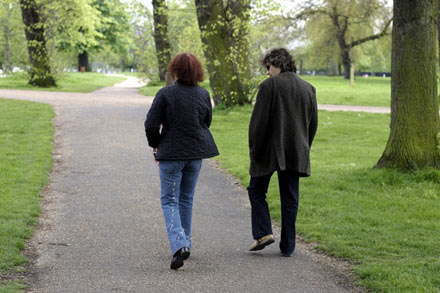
x=280, y=58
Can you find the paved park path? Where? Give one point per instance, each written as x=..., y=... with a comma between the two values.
x=102, y=230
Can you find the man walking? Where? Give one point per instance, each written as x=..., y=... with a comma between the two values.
x=283, y=124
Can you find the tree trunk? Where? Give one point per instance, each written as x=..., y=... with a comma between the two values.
x=224, y=28
x=83, y=61
x=40, y=71
x=160, y=15
x=346, y=62
x=415, y=123
x=352, y=74
x=7, y=68
x=123, y=67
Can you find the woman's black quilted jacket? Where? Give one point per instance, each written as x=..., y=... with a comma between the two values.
x=178, y=123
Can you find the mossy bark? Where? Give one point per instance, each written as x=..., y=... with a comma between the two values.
x=415, y=123
x=40, y=71
x=224, y=29
x=160, y=15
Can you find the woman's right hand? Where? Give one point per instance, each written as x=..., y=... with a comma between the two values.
x=154, y=155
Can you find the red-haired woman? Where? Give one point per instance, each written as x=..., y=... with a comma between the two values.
x=184, y=111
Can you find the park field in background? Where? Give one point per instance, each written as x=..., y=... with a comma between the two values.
x=367, y=91
x=371, y=91
x=67, y=82
x=384, y=222
x=26, y=135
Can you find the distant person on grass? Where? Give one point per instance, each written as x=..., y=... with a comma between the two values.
x=177, y=128
x=282, y=127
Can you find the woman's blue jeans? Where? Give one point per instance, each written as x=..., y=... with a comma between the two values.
x=178, y=181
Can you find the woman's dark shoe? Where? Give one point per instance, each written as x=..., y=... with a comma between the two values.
x=177, y=260
x=186, y=251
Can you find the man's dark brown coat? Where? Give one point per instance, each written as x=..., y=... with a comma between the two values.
x=283, y=124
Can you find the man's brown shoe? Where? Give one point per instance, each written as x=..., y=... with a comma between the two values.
x=262, y=243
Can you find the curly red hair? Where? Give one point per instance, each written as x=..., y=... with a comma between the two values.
x=186, y=68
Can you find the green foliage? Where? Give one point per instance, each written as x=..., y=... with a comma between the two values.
x=374, y=56
x=12, y=38
x=384, y=221
x=92, y=26
x=144, y=54
x=322, y=51
x=76, y=24
x=26, y=134
x=69, y=82
x=335, y=30
x=183, y=30
x=120, y=33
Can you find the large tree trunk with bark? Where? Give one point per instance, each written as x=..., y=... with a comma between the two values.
x=224, y=28
x=161, y=40
x=415, y=124
x=40, y=71
x=346, y=61
x=83, y=62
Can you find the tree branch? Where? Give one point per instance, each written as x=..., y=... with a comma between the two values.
x=306, y=12
x=373, y=37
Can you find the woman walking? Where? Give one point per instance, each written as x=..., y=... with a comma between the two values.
x=177, y=128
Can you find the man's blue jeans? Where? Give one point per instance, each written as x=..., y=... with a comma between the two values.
x=288, y=183
x=178, y=181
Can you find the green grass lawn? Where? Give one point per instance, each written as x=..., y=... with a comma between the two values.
x=26, y=134
x=150, y=90
x=385, y=222
x=68, y=82
x=140, y=75
x=371, y=91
